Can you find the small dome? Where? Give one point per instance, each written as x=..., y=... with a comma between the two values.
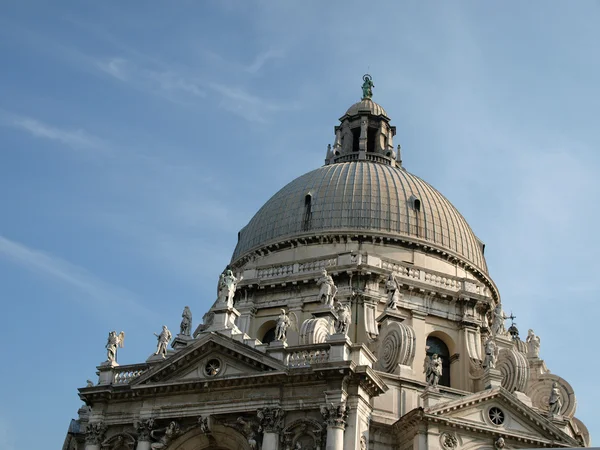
x=366, y=106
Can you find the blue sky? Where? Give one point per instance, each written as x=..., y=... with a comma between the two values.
x=137, y=138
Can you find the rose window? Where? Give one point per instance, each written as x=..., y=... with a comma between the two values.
x=496, y=415
x=212, y=368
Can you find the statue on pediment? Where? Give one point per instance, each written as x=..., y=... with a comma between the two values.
x=163, y=341
x=227, y=286
x=555, y=400
x=185, y=327
x=491, y=353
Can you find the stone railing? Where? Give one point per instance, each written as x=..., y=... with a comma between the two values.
x=124, y=375
x=307, y=357
x=275, y=271
x=398, y=269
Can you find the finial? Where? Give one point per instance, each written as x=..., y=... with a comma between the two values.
x=512, y=318
x=367, y=86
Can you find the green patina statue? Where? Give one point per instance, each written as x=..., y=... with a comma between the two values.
x=367, y=86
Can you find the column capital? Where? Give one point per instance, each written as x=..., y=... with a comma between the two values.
x=271, y=419
x=94, y=433
x=143, y=428
x=335, y=416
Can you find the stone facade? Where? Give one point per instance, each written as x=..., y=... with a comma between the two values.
x=404, y=348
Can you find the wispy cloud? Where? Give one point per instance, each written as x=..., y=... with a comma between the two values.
x=165, y=81
x=77, y=139
x=262, y=58
x=94, y=289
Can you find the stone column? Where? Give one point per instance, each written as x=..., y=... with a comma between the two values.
x=271, y=421
x=335, y=418
x=143, y=428
x=94, y=435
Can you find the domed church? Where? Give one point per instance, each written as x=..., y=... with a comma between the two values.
x=357, y=312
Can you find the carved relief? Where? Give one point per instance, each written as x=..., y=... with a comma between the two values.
x=514, y=368
x=314, y=331
x=448, y=441
x=143, y=428
x=303, y=434
x=397, y=346
x=121, y=441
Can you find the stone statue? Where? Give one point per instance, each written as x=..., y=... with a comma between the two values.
x=283, y=323
x=168, y=434
x=114, y=341
x=498, y=321
x=433, y=370
x=89, y=383
x=555, y=400
x=328, y=288
x=186, y=322
x=491, y=353
x=533, y=344
x=367, y=86
x=393, y=292
x=163, y=340
x=344, y=317
x=227, y=286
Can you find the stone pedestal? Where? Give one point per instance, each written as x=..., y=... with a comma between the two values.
x=504, y=341
x=181, y=341
x=276, y=349
x=492, y=378
x=392, y=315
x=105, y=374
x=224, y=319
x=523, y=398
x=143, y=445
x=431, y=397
x=340, y=347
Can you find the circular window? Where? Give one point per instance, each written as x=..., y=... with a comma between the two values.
x=496, y=415
x=212, y=368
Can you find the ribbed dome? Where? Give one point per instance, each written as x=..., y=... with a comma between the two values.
x=363, y=197
x=366, y=105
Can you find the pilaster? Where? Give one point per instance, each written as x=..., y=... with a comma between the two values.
x=418, y=324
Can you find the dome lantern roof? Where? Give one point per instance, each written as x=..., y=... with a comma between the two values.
x=364, y=133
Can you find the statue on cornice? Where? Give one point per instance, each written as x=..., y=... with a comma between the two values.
x=163, y=341
x=114, y=342
x=433, y=370
x=393, y=292
x=498, y=319
x=533, y=344
x=328, y=289
x=227, y=286
x=186, y=322
x=491, y=353
x=344, y=317
x=555, y=400
x=168, y=434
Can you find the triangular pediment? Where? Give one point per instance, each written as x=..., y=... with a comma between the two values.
x=212, y=356
x=497, y=410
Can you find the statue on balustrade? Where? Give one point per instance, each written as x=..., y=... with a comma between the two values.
x=114, y=342
x=393, y=292
x=499, y=317
x=491, y=353
x=328, y=289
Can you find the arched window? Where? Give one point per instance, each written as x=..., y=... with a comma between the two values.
x=307, y=217
x=269, y=336
x=436, y=345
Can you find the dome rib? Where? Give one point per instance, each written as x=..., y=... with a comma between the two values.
x=361, y=197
